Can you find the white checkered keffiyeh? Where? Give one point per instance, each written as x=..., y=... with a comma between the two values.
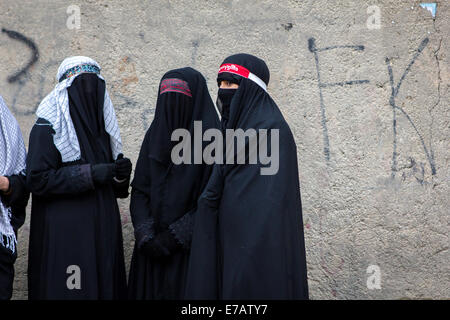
x=12, y=162
x=55, y=109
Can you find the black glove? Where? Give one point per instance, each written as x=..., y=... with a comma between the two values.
x=161, y=246
x=103, y=173
x=123, y=167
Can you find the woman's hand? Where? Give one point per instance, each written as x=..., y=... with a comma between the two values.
x=161, y=246
x=123, y=167
x=4, y=184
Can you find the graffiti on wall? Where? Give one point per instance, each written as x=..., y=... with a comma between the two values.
x=21, y=80
x=315, y=51
x=395, y=88
x=417, y=168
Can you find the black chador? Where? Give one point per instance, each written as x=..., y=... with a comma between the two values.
x=248, y=240
x=164, y=195
x=75, y=171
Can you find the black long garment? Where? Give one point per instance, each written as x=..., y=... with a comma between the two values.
x=164, y=195
x=17, y=200
x=248, y=240
x=75, y=225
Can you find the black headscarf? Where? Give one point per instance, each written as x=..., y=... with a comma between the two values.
x=248, y=240
x=248, y=91
x=86, y=97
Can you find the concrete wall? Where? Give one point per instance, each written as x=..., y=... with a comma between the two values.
x=373, y=162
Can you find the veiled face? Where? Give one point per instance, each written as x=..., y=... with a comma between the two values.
x=224, y=84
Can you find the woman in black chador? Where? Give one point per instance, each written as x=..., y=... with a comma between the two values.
x=13, y=196
x=248, y=238
x=165, y=194
x=75, y=171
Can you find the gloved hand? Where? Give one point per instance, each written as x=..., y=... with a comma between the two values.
x=103, y=173
x=160, y=246
x=123, y=167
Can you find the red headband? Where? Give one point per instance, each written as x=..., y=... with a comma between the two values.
x=175, y=85
x=243, y=72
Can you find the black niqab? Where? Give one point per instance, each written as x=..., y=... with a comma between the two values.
x=86, y=97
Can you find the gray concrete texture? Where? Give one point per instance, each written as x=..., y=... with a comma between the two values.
x=368, y=106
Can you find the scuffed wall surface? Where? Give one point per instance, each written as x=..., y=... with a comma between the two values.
x=368, y=108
